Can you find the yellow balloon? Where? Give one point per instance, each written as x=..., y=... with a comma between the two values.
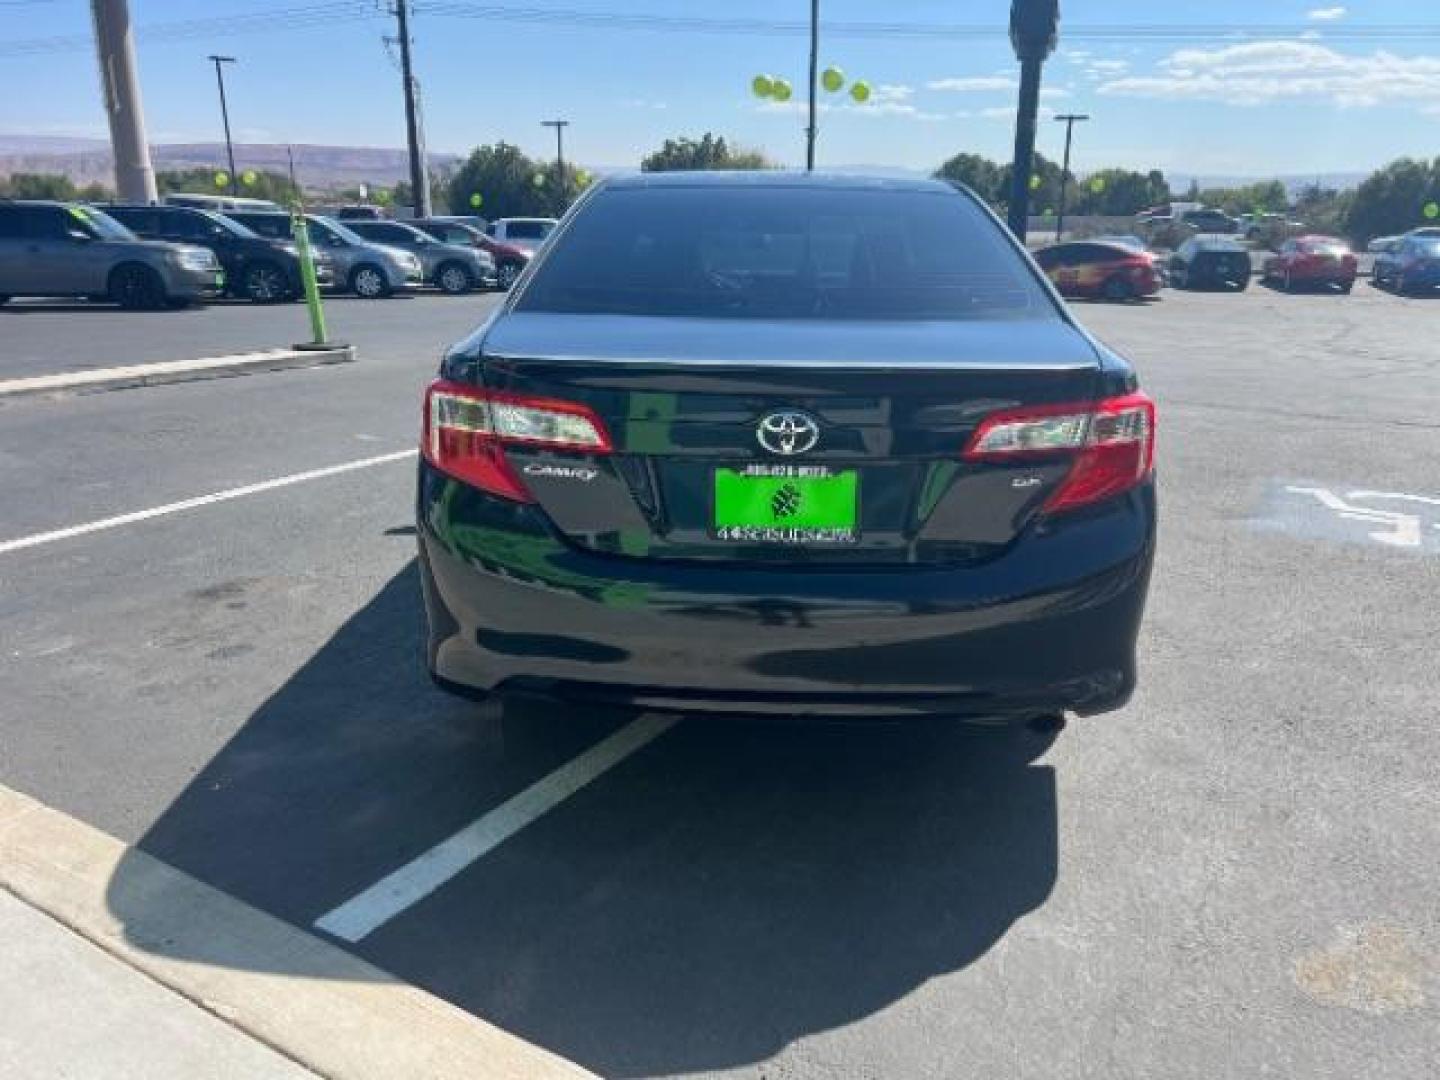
x=1432, y=210
x=248, y=177
x=860, y=91
x=780, y=90
x=1097, y=184
x=539, y=179
x=833, y=79
x=1034, y=183
x=762, y=85
x=222, y=178
x=476, y=200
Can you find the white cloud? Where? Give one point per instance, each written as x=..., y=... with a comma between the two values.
x=875, y=107
x=1007, y=113
x=1259, y=72
x=644, y=103
x=974, y=83
x=1107, y=67
x=1327, y=14
x=891, y=92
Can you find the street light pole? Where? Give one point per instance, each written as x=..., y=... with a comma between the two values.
x=419, y=175
x=1069, y=120
x=814, y=64
x=559, y=126
x=120, y=85
x=225, y=116
x=1034, y=30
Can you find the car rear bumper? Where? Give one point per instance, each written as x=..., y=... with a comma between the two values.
x=1050, y=625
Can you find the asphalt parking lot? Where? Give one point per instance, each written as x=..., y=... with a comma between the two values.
x=1233, y=877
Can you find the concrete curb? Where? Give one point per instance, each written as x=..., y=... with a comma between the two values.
x=175, y=371
x=316, y=1004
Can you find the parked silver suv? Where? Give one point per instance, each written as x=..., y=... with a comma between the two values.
x=368, y=270
x=451, y=268
x=66, y=249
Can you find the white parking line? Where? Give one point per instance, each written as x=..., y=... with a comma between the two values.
x=201, y=500
x=417, y=879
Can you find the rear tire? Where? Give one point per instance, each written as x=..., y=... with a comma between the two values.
x=1117, y=290
x=137, y=288
x=509, y=271
x=369, y=282
x=4, y=300
x=265, y=283
x=1347, y=287
x=453, y=279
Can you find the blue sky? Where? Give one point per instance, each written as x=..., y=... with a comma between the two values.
x=1227, y=105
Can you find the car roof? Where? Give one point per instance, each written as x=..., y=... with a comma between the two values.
x=776, y=178
x=1216, y=242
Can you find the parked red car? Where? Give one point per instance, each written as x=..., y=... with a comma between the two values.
x=1102, y=270
x=1312, y=262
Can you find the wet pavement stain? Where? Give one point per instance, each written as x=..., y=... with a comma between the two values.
x=1374, y=969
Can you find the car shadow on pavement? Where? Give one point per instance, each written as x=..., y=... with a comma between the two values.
x=731, y=888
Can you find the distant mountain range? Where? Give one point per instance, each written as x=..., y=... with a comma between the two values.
x=316, y=167
x=334, y=167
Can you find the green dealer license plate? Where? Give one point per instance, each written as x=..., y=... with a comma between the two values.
x=787, y=504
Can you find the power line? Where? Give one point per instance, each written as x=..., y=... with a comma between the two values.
x=311, y=16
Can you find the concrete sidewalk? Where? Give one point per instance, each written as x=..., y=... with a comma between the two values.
x=69, y=1009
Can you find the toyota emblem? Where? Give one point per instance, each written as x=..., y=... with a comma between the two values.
x=788, y=432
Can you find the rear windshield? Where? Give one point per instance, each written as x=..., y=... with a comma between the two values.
x=785, y=253
x=528, y=230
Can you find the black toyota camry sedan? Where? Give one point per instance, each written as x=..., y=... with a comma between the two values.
x=791, y=444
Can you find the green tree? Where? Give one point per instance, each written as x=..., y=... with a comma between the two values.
x=37, y=186
x=1266, y=196
x=1393, y=199
x=707, y=152
x=1044, y=195
x=1118, y=192
x=979, y=174
x=504, y=178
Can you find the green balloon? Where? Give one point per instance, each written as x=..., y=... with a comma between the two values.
x=222, y=178
x=833, y=79
x=860, y=91
x=1034, y=183
x=1432, y=210
x=762, y=85
x=1097, y=184
x=248, y=178
x=476, y=200
x=780, y=90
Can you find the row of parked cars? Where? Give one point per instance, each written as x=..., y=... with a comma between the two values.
x=1123, y=268
x=172, y=254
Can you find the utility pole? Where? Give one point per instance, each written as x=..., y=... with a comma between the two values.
x=1069, y=120
x=419, y=179
x=559, y=126
x=134, y=175
x=225, y=117
x=814, y=64
x=1034, y=29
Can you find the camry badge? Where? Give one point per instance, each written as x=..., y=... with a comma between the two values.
x=788, y=432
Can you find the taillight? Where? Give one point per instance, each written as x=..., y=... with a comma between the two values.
x=468, y=427
x=1112, y=443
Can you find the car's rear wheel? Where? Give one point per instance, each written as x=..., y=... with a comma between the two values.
x=137, y=288
x=265, y=283
x=1118, y=290
x=4, y=299
x=509, y=271
x=1346, y=287
x=369, y=282
x=454, y=279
